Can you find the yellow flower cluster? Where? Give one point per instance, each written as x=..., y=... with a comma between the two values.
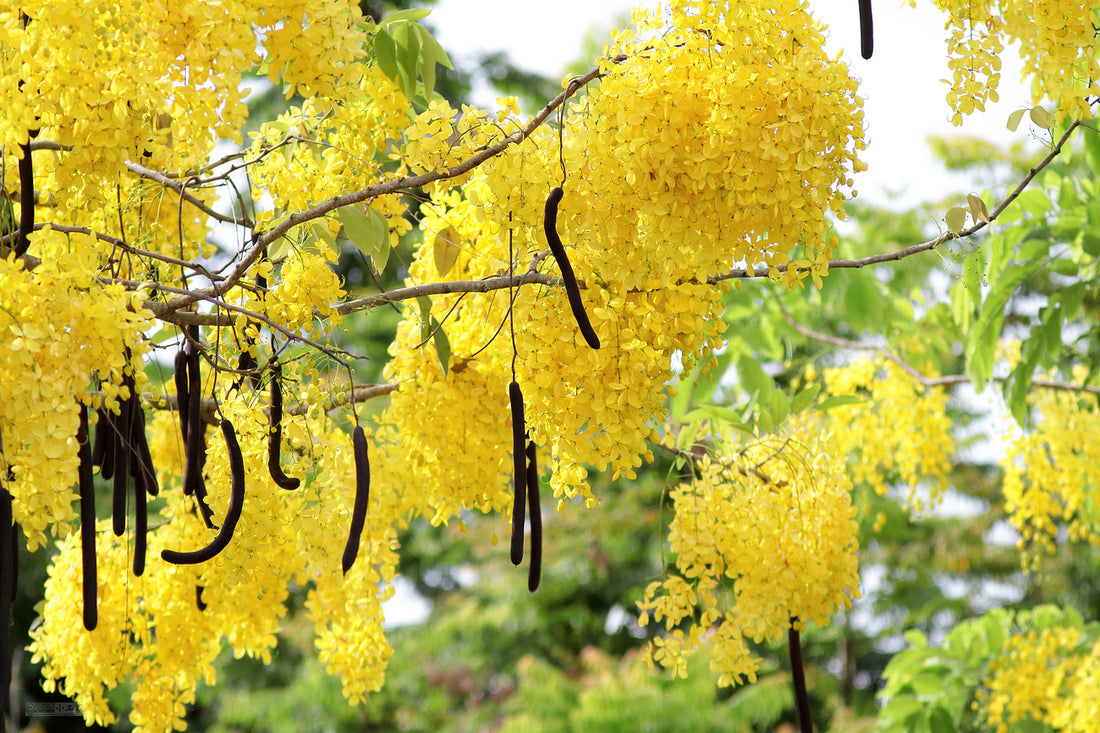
x=114, y=80
x=1057, y=40
x=765, y=536
x=306, y=291
x=1046, y=676
x=1052, y=474
x=48, y=318
x=330, y=146
x=900, y=433
x=684, y=160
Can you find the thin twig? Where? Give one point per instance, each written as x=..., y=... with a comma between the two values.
x=181, y=188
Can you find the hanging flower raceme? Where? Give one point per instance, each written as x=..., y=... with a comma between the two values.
x=765, y=537
x=727, y=135
x=1052, y=474
x=1057, y=40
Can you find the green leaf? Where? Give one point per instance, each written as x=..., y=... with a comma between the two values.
x=978, y=210
x=442, y=345
x=408, y=56
x=805, y=398
x=1035, y=202
x=1041, y=118
x=385, y=53
x=928, y=686
x=425, y=305
x=368, y=231
x=902, y=707
x=753, y=379
x=764, y=421
x=838, y=400
x=779, y=406
x=916, y=638
x=955, y=219
x=864, y=304
x=279, y=249
x=412, y=14
x=941, y=721
x=1089, y=243
x=705, y=386
x=961, y=306
x=432, y=49
x=1014, y=119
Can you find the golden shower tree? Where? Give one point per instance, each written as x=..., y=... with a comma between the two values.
x=568, y=272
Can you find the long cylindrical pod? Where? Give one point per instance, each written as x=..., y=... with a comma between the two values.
x=87, y=523
x=141, y=514
x=519, y=471
x=106, y=444
x=362, y=497
x=866, y=29
x=233, y=514
x=26, y=199
x=8, y=565
x=550, y=225
x=205, y=511
x=122, y=460
x=275, y=434
x=196, y=430
x=534, y=510
x=141, y=453
x=179, y=375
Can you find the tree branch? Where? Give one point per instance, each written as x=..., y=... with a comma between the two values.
x=396, y=185
x=744, y=273
x=913, y=372
x=209, y=407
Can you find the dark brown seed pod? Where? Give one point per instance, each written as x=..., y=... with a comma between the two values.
x=247, y=364
x=122, y=460
x=866, y=29
x=87, y=522
x=179, y=375
x=106, y=444
x=196, y=430
x=141, y=453
x=141, y=516
x=232, y=515
x=519, y=471
x=9, y=564
x=99, y=442
x=534, y=510
x=275, y=434
x=199, y=602
x=362, y=497
x=550, y=225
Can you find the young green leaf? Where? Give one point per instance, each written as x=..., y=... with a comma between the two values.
x=956, y=219
x=978, y=211
x=412, y=14
x=1041, y=118
x=442, y=345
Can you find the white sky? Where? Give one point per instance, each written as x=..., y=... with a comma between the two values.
x=905, y=99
